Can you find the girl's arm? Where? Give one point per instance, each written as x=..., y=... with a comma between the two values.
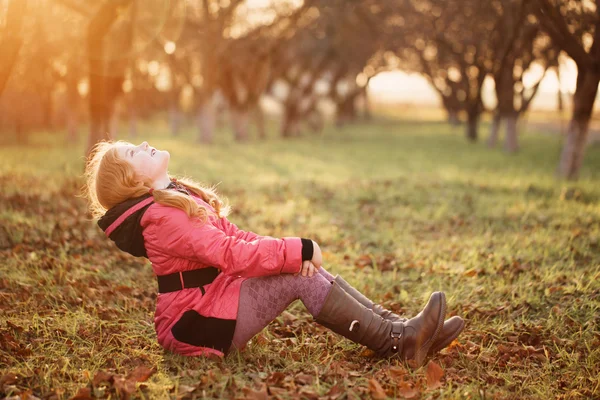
x=232, y=230
x=177, y=235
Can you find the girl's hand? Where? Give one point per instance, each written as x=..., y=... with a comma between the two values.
x=317, y=259
x=308, y=268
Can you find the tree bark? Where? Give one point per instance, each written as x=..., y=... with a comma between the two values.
x=102, y=88
x=495, y=130
x=174, y=119
x=11, y=39
x=453, y=118
x=573, y=149
x=452, y=107
x=346, y=111
x=240, y=122
x=472, y=124
x=133, y=122
x=72, y=109
x=289, y=124
x=259, y=117
x=206, y=122
x=511, y=143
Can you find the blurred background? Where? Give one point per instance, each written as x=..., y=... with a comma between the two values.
x=87, y=71
x=424, y=144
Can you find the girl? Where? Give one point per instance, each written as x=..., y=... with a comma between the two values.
x=218, y=285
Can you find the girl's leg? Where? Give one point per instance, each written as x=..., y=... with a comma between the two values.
x=450, y=331
x=326, y=274
x=263, y=299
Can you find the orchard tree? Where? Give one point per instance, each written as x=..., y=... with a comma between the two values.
x=575, y=27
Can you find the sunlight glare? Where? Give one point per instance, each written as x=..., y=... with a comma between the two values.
x=170, y=47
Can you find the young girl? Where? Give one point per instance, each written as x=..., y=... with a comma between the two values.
x=218, y=286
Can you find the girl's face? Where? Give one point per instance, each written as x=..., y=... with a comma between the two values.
x=147, y=162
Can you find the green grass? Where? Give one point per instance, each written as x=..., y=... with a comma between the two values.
x=516, y=251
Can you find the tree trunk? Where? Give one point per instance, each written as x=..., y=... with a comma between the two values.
x=573, y=149
x=495, y=130
x=21, y=131
x=367, y=113
x=103, y=88
x=511, y=144
x=289, y=125
x=472, y=124
x=11, y=38
x=346, y=111
x=259, y=117
x=174, y=119
x=72, y=109
x=206, y=122
x=47, y=109
x=453, y=118
x=452, y=107
x=240, y=122
x=133, y=122
x=114, y=122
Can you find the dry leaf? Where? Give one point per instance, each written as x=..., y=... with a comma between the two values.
x=83, y=394
x=434, y=374
x=8, y=379
x=376, y=390
x=124, y=387
x=335, y=392
x=406, y=390
x=260, y=394
x=101, y=377
x=396, y=372
x=140, y=374
x=304, y=379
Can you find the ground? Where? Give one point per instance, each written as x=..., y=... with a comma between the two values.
x=400, y=209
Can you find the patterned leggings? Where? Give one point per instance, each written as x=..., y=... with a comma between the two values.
x=263, y=299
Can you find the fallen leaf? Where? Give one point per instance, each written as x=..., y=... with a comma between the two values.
x=252, y=394
x=101, y=377
x=434, y=374
x=8, y=379
x=376, y=390
x=83, y=394
x=304, y=379
x=276, y=378
x=141, y=374
x=396, y=372
x=124, y=387
x=335, y=392
x=184, y=389
x=406, y=390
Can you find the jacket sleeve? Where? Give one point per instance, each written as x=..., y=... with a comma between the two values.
x=232, y=230
x=210, y=245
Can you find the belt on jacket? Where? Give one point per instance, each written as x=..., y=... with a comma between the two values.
x=187, y=279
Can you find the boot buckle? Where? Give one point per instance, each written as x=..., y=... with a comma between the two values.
x=396, y=334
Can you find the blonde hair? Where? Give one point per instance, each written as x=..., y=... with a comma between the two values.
x=111, y=180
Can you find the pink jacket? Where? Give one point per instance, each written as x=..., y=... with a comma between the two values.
x=174, y=243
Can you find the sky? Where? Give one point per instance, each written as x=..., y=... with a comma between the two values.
x=402, y=87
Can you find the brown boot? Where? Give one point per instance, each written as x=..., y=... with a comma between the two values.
x=450, y=331
x=410, y=340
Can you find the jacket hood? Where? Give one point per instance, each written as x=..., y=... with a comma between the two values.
x=122, y=224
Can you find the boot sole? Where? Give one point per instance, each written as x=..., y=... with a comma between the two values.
x=441, y=345
x=422, y=352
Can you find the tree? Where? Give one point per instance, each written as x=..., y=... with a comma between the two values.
x=107, y=65
x=575, y=27
x=11, y=38
x=518, y=45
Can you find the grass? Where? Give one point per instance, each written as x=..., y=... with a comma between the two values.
x=400, y=209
